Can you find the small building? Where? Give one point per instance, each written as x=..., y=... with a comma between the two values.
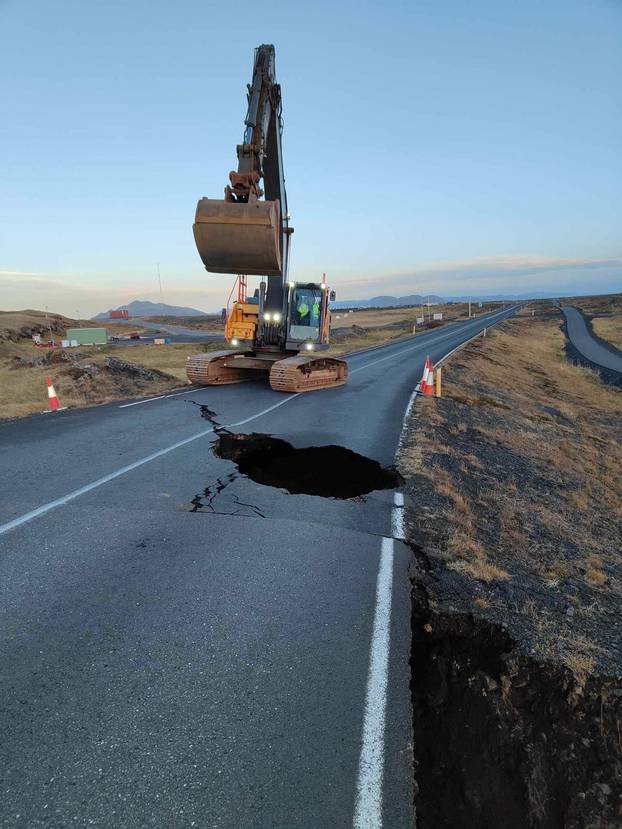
x=88, y=336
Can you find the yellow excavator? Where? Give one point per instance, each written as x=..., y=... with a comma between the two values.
x=282, y=329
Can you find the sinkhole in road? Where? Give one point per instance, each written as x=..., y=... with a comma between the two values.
x=327, y=471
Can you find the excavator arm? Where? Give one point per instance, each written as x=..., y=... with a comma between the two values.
x=245, y=234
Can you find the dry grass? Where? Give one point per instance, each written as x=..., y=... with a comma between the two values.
x=24, y=389
x=609, y=329
x=376, y=317
x=598, y=304
x=365, y=329
x=168, y=358
x=543, y=504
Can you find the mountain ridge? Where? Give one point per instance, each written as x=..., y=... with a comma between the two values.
x=145, y=308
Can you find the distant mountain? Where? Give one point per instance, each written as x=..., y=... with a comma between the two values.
x=433, y=299
x=388, y=301
x=144, y=308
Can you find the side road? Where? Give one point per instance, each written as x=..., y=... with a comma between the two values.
x=587, y=345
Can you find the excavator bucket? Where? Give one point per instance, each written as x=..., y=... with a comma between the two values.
x=238, y=237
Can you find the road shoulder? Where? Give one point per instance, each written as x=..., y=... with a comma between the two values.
x=515, y=519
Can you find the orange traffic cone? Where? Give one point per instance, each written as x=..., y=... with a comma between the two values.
x=427, y=381
x=53, y=401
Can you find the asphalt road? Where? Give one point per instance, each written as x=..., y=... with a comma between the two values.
x=246, y=667
x=191, y=337
x=177, y=333
x=584, y=342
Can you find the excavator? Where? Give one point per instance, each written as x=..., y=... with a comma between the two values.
x=282, y=329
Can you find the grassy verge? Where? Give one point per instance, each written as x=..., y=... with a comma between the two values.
x=515, y=478
x=609, y=329
x=82, y=377
x=366, y=329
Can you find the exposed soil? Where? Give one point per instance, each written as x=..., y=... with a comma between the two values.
x=327, y=471
x=504, y=740
x=516, y=519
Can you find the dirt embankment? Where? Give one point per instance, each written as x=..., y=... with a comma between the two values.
x=88, y=375
x=19, y=325
x=516, y=520
x=80, y=379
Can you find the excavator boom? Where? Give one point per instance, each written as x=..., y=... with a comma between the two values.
x=241, y=233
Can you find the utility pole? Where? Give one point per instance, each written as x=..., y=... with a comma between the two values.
x=78, y=318
x=469, y=307
x=160, y=282
x=48, y=321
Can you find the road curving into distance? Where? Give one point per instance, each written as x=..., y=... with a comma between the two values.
x=244, y=664
x=586, y=344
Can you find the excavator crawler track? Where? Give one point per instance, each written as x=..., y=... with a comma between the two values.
x=298, y=374
x=215, y=369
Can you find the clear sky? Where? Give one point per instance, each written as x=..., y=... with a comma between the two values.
x=436, y=145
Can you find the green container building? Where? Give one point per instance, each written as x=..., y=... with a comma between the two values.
x=88, y=336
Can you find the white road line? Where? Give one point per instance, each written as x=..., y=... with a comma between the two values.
x=397, y=517
x=151, y=399
x=418, y=345
x=265, y=411
x=59, y=502
x=42, y=510
x=368, y=806
x=140, y=402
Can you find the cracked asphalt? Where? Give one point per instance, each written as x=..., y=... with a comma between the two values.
x=167, y=664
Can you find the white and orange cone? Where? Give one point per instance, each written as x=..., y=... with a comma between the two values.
x=427, y=381
x=53, y=401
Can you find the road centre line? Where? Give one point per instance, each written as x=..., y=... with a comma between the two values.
x=59, y=502
x=368, y=804
x=410, y=348
x=353, y=371
x=45, y=508
x=151, y=399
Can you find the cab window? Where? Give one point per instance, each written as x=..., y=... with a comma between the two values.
x=305, y=314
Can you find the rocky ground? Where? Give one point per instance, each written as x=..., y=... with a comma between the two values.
x=516, y=521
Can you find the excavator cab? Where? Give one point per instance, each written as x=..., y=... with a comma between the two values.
x=308, y=316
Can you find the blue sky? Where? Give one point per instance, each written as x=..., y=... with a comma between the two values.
x=435, y=146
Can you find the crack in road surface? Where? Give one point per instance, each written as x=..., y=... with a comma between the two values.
x=205, y=500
